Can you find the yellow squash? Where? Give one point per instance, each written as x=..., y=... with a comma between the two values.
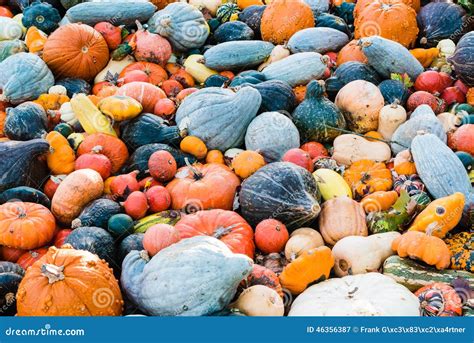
x=441, y=215
x=91, y=119
x=120, y=107
x=331, y=184
x=61, y=156
x=194, y=66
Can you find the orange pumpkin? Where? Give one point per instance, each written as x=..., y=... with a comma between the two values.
x=470, y=96
x=160, y=4
x=247, y=162
x=263, y=276
x=361, y=4
x=154, y=71
x=10, y=254
x=76, y=50
x=382, y=18
x=403, y=163
x=352, y=51
x=227, y=226
x=61, y=156
x=107, y=145
x=25, y=225
x=215, y=156
x=282, y=18
x=158, y=237
x=145, y=93
x=52, y=101
x=69, y=282
x=366, y=176
x=247, y=3
x=271, y=235
x=379, y=201
x=418, y=245
x=3, y=117
x=462, y=139
x=203, y=186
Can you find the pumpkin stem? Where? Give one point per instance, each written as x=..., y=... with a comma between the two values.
x=139, y=25
x=21, y=212
x=223, y=231
x=52, y=272
x=196, y=173
x=97, y=149
x=423, y=41
x=76, y=223
x=144, y=255
x=395, y=103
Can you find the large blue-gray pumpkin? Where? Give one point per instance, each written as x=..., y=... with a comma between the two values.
x=237, y=55
x=182, y=24
x=11, y=47
x=282, y=191
x=463, y=59
x=272, y=134
x=24, y=77
x=297, y=69
x=276, y=95
x=318, y=39
x=387, y=57
x=422, y=119
x=194, y=277
x=318, y=6
x=219, y=116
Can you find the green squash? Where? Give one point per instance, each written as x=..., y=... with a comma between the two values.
x=216, y=80
x=332, y=21
x=96, y=213
x=11, y=47
x=249, y=76
x=226, y=11
x=11, y=275
x=26, y=121
x=129, y=243
x=282, y=191
x=316, y=117
x=24, y=77
x=219, y=116
x=41, y=15
x=64, y=129
x=237, y=55
x=206, y=274
x=120, y=225
x=232, y=31
x=182, y=24
x=25, y=194
x=276, y=96
x=169, y=217
x=252, y=16
x=95, y=240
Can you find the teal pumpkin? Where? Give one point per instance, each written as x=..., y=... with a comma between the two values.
x=232, y=31
x=96, y=213
x=466, y=159
x=332, y=21
x=276, y=96
x=252, y=16
x=226, y=11
x=216, y=80
x=120, y=225
x=248, y=76
x=26, y=121
x=129, y=243
x=74, y=86
x=11, y=275
x=41, y=15
x=95, y=240
x=25, y=194
x=316, y=117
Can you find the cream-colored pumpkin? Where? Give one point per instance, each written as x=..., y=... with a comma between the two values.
x=10, y=29
x=57, y=89
x=279, y=52
x=67, y=114
x=449, y=121
x=113, y=69
x=391, y=117
x=360, y=101
x=349, y=148
x=360, y=255
x=370, y=294
x=210, y=5
x=260, y=300
x=302, y=240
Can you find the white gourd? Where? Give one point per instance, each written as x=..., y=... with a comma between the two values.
x=390, y=118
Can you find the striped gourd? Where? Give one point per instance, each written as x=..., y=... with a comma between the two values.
x=165, y=217
x=414, y=276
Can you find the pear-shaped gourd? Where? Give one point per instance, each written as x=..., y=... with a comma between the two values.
x=194, y=277
x=219, y=116
x=390, y=118
x=316, y=117
x=422, y=119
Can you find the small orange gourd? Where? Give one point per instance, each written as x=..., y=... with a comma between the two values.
x=379, y=201
x=352, y=51
x=312, y=266
x=440, y=216
x=215, y=156
x=470, y=96
x=52, y=102
x=246, y=163
x=366, y=176
x=61, y=156
x=425, y=56
x=35, y=39
x=194, y=146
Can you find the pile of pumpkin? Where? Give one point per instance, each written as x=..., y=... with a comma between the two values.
x=292, y=157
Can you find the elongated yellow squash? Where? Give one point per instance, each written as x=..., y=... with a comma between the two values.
x=197, y=69
x=91, y=119
x=331, y=184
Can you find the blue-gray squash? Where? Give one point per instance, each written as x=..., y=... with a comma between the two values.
x=442, y=172
x=11, y=47
x=26, y=121
x=348, y=72
x=316, y=117
x=11, y=275
x=216, y=80
x=24, y=77
x=116, y=12
x=297, y=69
x=463, y=59
x=422, y=119
x=237, y=55
x=317, y=39
x=252, y=16
x=41, y=15
x=394, y=91
x=74, y=86
x=318, y=6
x=332, y=21
x=97, y=213
x=248, y=76
x=272, y=134
x=219, y=116
x=25, y=194
x=232, y=31
x=282, y=191
x=276, y=96
x=387, y=57
x=196, y=276
x=182, y=24
x=129, y=243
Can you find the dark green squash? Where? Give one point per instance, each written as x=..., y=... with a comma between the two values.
x=248, y=76
x=276, y=95
x=394, y=91
x=64, y=128
x=282, y=191
x=316, y=116
x=216, y=80
x=26, y=194
x=11, y=275
x=25, y=122
x=42, y=15
x=147, y=129
x=233, y=30
x=252, y=16
x=139, y=159
x=463, y=59
x=97, y=213
x=226, y=11
x=120, y=225
x=129, y=243
x=348, y=72
x=94, y=239
x=75, y=86
x=440, y=20
x=213, y=23
x=466, y=159
x=20, y=166
x=345, y=11
x=332, y=21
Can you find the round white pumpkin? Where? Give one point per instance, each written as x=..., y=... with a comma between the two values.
x=260, y=300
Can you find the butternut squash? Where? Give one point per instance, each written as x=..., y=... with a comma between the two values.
x=349, y=148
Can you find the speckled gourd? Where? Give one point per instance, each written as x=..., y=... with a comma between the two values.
x=219, y=116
